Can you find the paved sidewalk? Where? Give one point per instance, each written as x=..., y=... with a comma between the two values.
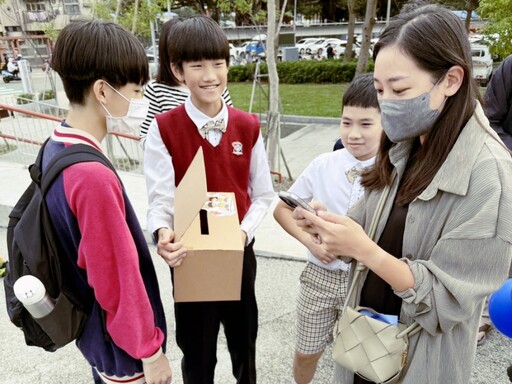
x=299, y=149
x=282, y=260
x=280, y=263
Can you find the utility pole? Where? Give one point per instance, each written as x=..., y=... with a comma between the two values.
x=153, y=38
x=295, y=21
x=388, y=12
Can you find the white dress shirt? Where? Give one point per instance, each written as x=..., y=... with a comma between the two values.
x=161, y=187
x=325, y=179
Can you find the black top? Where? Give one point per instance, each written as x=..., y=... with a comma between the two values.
x=376, y=293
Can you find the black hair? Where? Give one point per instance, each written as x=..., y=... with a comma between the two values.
x=165, y=74
x=89, y=50
x=361, y=93
x=197, y=38
x=436, y=40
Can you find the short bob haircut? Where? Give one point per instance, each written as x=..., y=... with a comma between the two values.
x=195, y=39
x=436, y=40
x=361, y=93
x=165, y=74
x=89, y=50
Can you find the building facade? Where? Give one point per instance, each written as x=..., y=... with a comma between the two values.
x=27, y=26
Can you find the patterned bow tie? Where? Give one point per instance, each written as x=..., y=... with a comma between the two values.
x=213, y=125
x=352, y=174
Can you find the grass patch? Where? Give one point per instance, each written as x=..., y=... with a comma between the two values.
x=323, y=100
x=7, y=148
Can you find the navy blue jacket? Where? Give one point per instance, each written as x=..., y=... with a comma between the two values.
x=498, y=101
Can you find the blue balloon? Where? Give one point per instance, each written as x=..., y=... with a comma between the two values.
x=500, y=308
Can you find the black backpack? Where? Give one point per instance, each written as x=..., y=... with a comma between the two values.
x=34, y=249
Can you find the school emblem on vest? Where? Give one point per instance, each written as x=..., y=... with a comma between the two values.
x=237, y=148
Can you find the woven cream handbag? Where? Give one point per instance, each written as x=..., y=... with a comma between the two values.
x=371, y=348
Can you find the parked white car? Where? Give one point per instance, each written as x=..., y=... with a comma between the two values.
x=303, y=44
x=240, y=50
x=373, y=40
x=321, y=45
x=482, y=63
x=339, y=50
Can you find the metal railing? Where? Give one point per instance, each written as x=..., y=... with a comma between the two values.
x=23, y=130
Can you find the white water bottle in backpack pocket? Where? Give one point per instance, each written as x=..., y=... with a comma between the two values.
x=31, y=292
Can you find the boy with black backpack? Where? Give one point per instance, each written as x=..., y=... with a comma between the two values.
x=106, y=263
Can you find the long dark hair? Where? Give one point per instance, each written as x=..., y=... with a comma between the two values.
x=165, y=74
x=436, y=40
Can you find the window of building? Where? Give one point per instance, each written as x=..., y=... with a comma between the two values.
x=71, y=7
x=35, y=5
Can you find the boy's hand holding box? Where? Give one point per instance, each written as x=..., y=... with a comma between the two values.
x=207, y=224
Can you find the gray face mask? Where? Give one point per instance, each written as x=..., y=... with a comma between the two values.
x=406, y=119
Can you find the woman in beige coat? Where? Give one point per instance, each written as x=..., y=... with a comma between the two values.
x=444, y=240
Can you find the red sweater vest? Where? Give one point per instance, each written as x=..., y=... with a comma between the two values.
x=227, y=165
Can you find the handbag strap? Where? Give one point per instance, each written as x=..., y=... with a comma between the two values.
x=371, y=234
x=360, y=267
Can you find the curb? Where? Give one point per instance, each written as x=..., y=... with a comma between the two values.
x=278, y=256
x=6, y=209
x=295, y=119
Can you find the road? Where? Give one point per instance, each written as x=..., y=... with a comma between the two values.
x=40, y=82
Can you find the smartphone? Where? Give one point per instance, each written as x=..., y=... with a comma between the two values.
x=293, y=201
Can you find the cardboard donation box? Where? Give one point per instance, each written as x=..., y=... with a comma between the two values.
x=207, y=224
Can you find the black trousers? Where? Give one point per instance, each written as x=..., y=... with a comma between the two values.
x=197, y=328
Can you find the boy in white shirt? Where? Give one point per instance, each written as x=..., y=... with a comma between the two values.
x=333, y=178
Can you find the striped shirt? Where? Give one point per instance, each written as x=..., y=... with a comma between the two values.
x=163, y=97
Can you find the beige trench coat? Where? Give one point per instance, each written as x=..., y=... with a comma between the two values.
x=458, y=244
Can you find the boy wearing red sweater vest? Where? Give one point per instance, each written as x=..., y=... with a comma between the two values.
x=235, y=161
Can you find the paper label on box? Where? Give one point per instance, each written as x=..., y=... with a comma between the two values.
x=219, y=204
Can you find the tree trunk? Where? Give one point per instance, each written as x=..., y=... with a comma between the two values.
x=329, y=10
x=118, y=10
x=469, y=7
x=369, y=22
x=273, y=119
x=467, y=22
x=135, y=14
x=351, y=28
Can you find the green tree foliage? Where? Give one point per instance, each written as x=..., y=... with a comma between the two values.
x=467, y=5
x=248, y=12
x=147, y=12
x=499, y=25
x=185, y=12
x=49, y=30
x=329, y=10
x=204, y=6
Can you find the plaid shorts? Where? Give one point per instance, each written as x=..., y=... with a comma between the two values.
x=321, y=298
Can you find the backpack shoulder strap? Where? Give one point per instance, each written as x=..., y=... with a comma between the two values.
x=76, y=153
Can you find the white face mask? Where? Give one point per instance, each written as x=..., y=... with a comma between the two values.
x=130, y=123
